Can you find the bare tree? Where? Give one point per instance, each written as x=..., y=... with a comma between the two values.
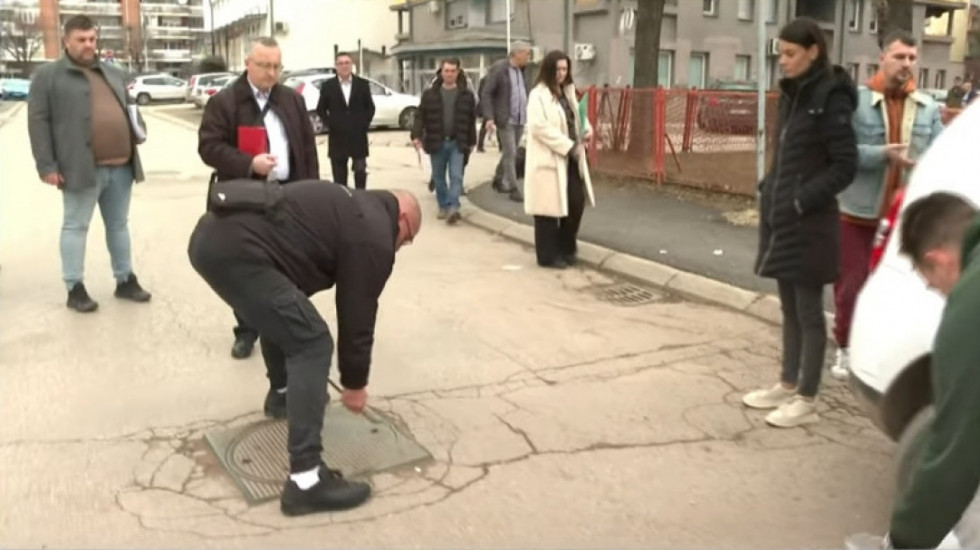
x=893, y=14
x=134, y=46
x=649, y=16
x=21, y=36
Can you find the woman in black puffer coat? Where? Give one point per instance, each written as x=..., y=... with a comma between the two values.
x=816, y=158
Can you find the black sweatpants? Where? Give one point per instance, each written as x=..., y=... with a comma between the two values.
x=555, y=238
x=804, y=336
x=339, y=168
x=296, y=342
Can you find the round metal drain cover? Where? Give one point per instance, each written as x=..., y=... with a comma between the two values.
x=625, y=295
x=259, y=454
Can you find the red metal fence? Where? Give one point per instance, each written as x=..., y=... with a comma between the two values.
x=698, y=138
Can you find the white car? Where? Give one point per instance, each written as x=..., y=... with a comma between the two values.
x=214, y=85
x=391, y=109
x=199, y=82
x=156, y=87
x=896, y=315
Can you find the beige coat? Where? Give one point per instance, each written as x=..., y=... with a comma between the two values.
x=547, y=143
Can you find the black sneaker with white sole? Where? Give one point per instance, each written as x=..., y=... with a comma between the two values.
x=331, y=494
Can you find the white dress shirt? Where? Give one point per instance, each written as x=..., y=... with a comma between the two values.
x=278, y=141
x=345, y=87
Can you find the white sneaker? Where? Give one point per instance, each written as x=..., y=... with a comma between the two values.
x=794, y=413
x=768, y=399
x=841, y=368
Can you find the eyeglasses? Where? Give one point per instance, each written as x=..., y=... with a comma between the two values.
x=268, y=66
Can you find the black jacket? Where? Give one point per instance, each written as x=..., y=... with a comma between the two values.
x=816, y=158
x=347, y=123
x=235, y=106
x=324, y=235
x=429, y=126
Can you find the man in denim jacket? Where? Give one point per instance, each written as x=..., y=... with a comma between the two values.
x=894, y=124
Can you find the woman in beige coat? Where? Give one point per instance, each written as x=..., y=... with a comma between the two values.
x=556, y=173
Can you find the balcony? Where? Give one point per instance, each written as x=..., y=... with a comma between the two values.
x=75, y=7
x=171, y=9
x=170, y=55
x=178, y=33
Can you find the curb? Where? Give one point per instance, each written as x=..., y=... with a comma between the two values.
x=692, y=286
x=12, y=112
x=168, y=118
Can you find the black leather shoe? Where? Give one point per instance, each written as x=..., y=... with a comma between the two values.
x=331, y=493
x=79, y=300
x=131, y=290
x=242, y=348
x=275, y=404
x=570, y=259
x=556, y=264
x=516, y=195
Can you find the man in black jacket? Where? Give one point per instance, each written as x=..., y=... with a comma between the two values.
x=445, y=127
x=255, y=101
x=346, y=108
x=265, y=262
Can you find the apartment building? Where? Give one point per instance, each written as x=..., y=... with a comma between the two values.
x=309, y=33
x=702, y=41
x=142, y=35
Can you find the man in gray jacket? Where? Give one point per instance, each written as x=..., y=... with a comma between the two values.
x=504, y=105
x=84, y=144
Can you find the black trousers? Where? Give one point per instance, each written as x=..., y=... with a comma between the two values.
x=555, y=238
x=296, y=343
x=483, y=134
x=804, y=336
x=339, y=167
x=242, y=330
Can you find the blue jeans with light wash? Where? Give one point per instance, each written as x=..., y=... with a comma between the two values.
x=112, y=190
x=448, y=156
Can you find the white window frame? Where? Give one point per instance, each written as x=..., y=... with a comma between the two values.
x=772, y=11
x=713, y=10
x=746, y=10
x=704, y=70
x=747, y=59
x=855, y=15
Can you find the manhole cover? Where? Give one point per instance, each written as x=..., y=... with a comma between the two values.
x=625, y=295
x=255, y=455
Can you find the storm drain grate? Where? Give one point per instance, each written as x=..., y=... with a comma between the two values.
x=255, y=455
x=625, y=294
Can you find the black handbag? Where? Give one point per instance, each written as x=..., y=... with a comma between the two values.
x=243, y=195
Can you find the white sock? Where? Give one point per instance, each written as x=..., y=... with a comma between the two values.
x=307, y=479
x=281, y=390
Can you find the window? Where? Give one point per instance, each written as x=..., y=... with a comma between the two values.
x=376, y=89
x=854, y=70
x=923, y=78
x=709, y=7
x=746, y=9
x=498, y=11
x=873, y=25
x=697, y=70
x=743, y=67
x=665, y=69
x=456, y=14
x=940, y=79
x=871, y=70
x=855, y=8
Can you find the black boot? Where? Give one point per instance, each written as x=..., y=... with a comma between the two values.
x=331, y=493
x=275, y=404
x=79, y=300
x=131, y=290
x=243, y=346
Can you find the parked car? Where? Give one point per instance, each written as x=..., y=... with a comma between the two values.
x=312, y=71
x=204, y=93
x=392, y=109
x=198, y=82
x=15, y=89
x=160, y=87
x=896, y=315
x=728, y=107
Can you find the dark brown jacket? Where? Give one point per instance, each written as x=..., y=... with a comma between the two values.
x=235, y=106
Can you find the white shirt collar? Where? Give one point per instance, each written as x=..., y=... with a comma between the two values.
x=257, y=92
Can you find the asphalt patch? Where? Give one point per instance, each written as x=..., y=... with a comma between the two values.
x=256, y=458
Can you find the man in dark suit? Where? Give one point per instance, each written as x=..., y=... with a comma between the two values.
x=256, y=101
x=346, y=108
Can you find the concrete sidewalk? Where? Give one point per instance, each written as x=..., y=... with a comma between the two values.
x=557, y=418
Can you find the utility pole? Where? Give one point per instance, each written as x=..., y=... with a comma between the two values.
x=508, y=25
x=566, y=23
x=213, y=39
x=760, y=138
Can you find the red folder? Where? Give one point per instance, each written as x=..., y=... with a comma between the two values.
x=252, y=140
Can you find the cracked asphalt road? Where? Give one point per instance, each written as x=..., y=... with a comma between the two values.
x=554, y=418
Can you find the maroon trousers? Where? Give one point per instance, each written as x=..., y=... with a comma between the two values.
x=856, y=242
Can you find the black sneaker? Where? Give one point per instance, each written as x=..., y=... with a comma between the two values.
x=275, y=404
x=79, y=300
x=332, y=493
x=131, y=290
x=242, y=347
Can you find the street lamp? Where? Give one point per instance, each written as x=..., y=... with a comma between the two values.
x=760, y=140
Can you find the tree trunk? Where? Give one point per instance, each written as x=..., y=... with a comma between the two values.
x=893, y=14
x=649, y=16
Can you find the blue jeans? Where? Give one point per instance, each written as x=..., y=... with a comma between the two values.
x=448, y=156
x=112, y=189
